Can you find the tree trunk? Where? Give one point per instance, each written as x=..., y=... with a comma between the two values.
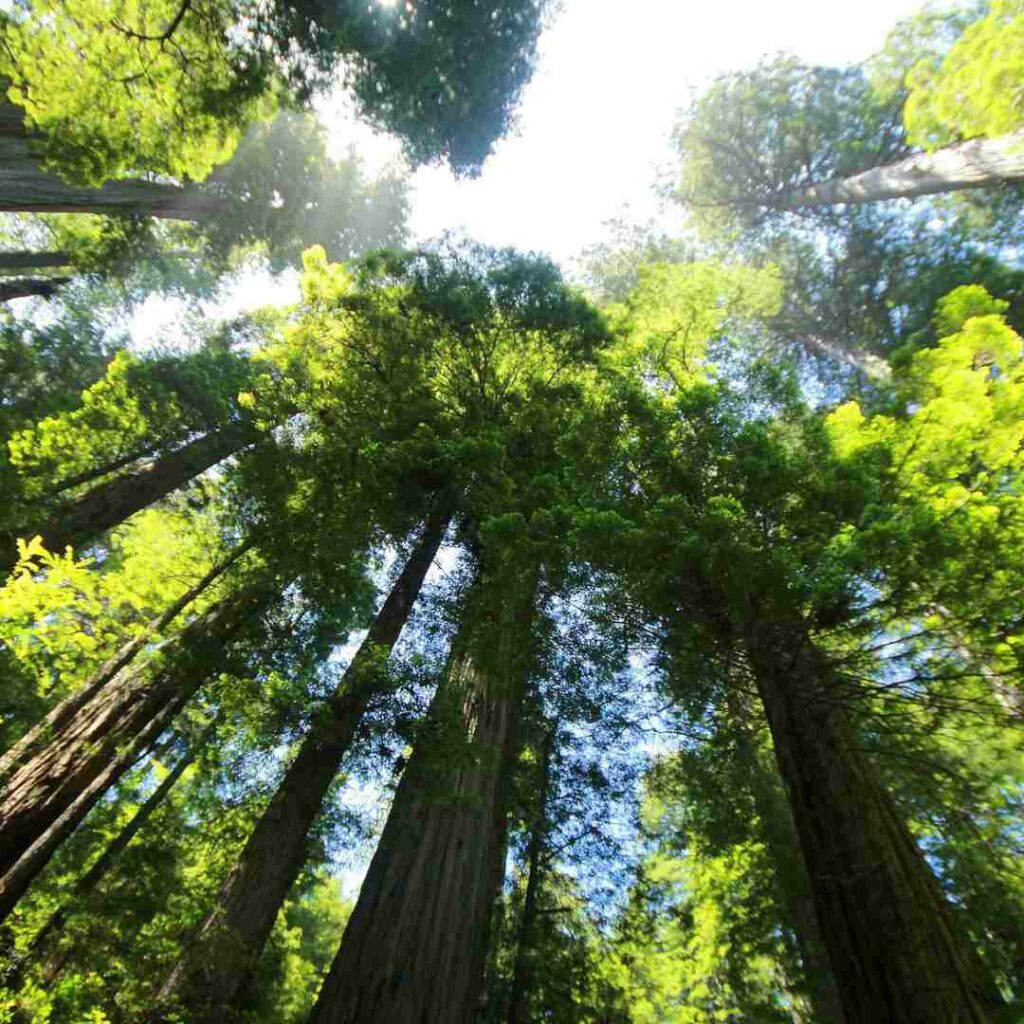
x=85, y=886
x=83, y=758
x=978, y=163
x=25, y=187
x=414, y=948
x=111, y=503
x=21, y=287
x=886, y=925
x=87, y=476
x=792, y=882
x=59, y=716
x=16, y=880
x=212, y=974
x=25, y=260
x=523, y=984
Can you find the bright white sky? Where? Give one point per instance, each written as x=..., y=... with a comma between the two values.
x=594, y=123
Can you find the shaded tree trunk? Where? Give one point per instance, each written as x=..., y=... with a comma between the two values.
x=112, y=502
x=59, y=717
x=48, y=795
x=521, y=996
x=784, y=844
x=977, y=163
x=883, y=918
x=212, y=974
x=22, y=287
x=85, y=886
x=414, y=948
x=24, y=260
x=792, y=882
x=87, y=476
x=17, y=879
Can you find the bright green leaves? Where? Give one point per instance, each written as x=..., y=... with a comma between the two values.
x=138, y=407
x=677, y=310
x=60, y=618
x=322, y=282
x=154, y=86
x=966, y=420
x=975, y=89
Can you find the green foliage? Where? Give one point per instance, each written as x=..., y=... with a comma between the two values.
x=60, y=619
x=164, y=117
x=973, y=90
x=755, y=134
x=192, y=76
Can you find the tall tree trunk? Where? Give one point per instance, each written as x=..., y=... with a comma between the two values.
x=884, y=920
x=17, y=879
x=87, y=476
x=212, y=974
x=978, y=163
x=523, y=983
x=22, y=287
x=26, y=187
x=83, y=758
x=58, y=717
x=414, y=948
x=112, y=502
x=793, y=884
x=87, y=884
x=24, y=260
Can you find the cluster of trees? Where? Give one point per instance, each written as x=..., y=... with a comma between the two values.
x=677, y=618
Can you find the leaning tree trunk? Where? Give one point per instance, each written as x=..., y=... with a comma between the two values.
x=24, y=188
x=58, y=717
x=978, y=163
x=212, y=974
x=87, y=884
x=22, y=287
x=414, y=948
x=523, y=971
x=891, y=942
x=25, y=260
x=84, y=758
x=111, y=503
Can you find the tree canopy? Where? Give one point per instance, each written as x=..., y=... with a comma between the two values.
x=454, y=643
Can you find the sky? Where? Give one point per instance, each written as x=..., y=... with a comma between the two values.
x=594, y=126
x=595, y=122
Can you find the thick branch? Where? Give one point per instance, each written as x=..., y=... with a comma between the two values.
x=978, y=163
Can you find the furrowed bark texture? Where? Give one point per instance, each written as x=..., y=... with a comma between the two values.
x=102, y=865
x=792, y=883
x=523, y=972
x=111, y=503
x=212, y=975
x=59, y=716
x=77, y=762
x=784, y=844
x=977, y=163
x=414, y=948
x=883, y=918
